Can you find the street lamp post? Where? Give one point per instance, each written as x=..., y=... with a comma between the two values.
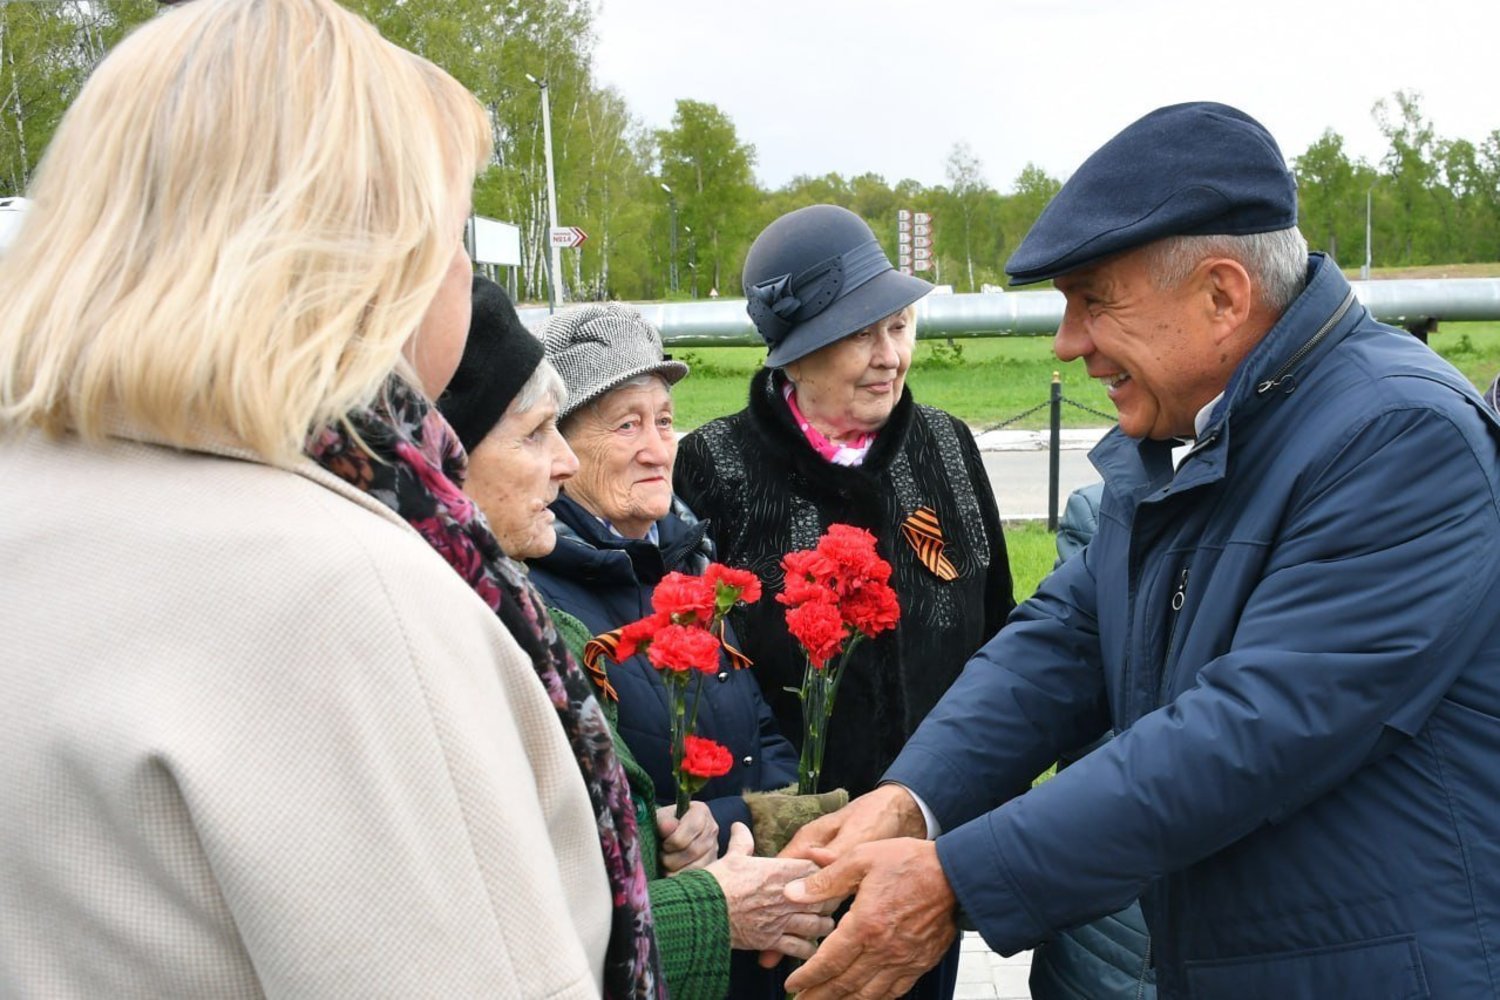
x=672, y=264
x=692, y=261
x=554, y=268
x=1364, y=272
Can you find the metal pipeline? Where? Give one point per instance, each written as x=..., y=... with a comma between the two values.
x=1413, y=303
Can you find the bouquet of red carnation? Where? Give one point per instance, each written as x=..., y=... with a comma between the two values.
x=683, y=640
x=836, y=595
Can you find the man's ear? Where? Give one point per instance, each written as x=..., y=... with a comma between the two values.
x=1230, y=296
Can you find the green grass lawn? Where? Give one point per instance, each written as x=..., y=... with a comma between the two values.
x=1033, y=550
x=986, y=381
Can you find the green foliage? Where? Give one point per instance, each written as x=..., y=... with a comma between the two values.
x=940, y=354
x=1472, y=348
x=1432, y=199
x=709, y=171
x=47, y=50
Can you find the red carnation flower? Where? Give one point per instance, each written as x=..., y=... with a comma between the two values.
x=851, y=549
x=808, y=576
x=637, y=636
x=704, y=758
x=683, y=648
x=731, y=585
x=819, y=627
x=687, y=599
x=838, y=596
x=872, y=609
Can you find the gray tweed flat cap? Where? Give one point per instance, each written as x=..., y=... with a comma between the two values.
x=600, y=346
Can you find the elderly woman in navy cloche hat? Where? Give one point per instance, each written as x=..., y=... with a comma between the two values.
x=831, y=435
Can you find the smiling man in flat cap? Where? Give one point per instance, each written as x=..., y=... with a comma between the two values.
x=1293, y=630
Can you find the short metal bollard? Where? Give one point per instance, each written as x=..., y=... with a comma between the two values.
x=1054, y=458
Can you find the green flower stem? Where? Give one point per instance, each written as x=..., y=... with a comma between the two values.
x=819, y=690
x=678, y=686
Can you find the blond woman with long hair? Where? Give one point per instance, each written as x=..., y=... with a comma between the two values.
x=260, y=737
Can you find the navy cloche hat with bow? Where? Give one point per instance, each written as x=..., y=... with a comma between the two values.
x=1199, y=169
x=817, y=275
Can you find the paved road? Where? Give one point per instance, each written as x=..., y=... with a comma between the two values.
x=984, y=975
x=1019, y=479
x=1017, y=462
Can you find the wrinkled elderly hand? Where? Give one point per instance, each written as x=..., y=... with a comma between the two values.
x=689, y=842
x=900, y=925
x=888, y=811
x=761, y=917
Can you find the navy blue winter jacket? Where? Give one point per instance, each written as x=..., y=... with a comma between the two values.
x=606, y=581
x=1296, y=636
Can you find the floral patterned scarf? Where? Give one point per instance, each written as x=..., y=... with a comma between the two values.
x=414, y=464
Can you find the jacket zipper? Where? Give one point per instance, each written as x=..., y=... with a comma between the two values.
x=1179, y=598
x=1284, y=372
x=1140, y=985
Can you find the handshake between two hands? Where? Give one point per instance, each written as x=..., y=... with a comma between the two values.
x=902, y=920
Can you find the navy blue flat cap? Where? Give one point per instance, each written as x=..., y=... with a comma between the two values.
x=1196, y=169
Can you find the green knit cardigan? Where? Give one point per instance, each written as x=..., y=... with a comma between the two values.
x=692, y=918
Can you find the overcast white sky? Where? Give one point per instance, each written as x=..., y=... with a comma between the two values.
x=886, y=86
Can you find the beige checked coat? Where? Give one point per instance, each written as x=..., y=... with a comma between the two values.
x=257, y=739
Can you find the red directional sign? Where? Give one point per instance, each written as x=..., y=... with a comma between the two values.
x=568, y=236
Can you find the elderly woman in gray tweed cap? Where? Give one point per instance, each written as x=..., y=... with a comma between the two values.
x=620, y=530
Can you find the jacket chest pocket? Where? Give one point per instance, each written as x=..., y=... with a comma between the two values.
x=1383, y=969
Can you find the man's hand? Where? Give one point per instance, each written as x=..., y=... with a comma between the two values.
x=888, y=811
x=689, y=842
x=901, y=924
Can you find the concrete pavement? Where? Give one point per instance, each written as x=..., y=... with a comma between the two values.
x=1017, y=463
x=984, y=975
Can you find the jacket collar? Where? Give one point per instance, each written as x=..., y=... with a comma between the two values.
x=1324, y=314
x=773, y=420
x=587, y=550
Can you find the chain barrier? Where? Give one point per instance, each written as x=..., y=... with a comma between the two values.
x=1054, y=404
x=1109, y=417
x=1019, y=416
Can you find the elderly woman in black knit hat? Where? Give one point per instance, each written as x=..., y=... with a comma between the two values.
x=832, y=435
x=503, y=402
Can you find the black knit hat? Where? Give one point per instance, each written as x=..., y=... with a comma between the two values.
x=499, y=356
x=1198, y=169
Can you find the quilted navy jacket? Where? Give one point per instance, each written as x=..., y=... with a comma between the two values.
x=1296, y=635
x=606, y=581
